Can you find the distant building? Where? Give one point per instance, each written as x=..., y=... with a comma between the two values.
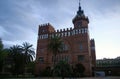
x=79, y=48
x=111, y=67
x=108, y=62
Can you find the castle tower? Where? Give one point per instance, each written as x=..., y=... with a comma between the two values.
x=77, y=45
x=82, y=41
x=80, y=20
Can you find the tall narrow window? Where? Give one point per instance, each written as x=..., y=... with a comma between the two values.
x=81, y=46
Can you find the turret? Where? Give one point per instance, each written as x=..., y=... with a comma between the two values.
x=80, y=20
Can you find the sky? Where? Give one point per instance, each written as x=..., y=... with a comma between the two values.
x=19, y=20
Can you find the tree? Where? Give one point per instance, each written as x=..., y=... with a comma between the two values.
x=63, y=69
x=29, y=53
x=3, y=55
x=17, y=55
x=55, y=46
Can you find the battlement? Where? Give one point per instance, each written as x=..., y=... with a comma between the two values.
x=46, y=33
x=64, y=30
x=46, y=28
x=45, y=25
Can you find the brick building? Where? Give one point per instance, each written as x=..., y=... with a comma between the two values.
x=78, y=47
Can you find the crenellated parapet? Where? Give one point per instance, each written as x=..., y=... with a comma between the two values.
x=46, y=24
x=47, y=31
x=46, y=28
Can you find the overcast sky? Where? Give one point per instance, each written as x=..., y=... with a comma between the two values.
x=19, y=20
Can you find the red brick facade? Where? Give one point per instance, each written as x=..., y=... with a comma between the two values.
x=78, y=46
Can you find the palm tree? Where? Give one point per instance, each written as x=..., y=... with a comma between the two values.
x=55, y=46
x=17, y=55
x=28, y=51
x=29, y=54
